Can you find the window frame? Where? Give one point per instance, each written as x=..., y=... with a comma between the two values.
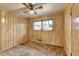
x=42, y=24
x=48, y=24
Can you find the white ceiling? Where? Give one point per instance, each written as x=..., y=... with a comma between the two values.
x=19, y=9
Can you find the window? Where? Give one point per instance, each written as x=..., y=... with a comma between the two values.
x=47, y=25
x=37, y=25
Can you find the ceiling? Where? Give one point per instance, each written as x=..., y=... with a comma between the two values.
x=19, y=9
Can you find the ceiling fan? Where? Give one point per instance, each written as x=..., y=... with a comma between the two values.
x=31, y=8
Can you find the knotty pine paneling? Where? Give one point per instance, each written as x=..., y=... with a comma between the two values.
x=54, y=37
x=75, y=30
x=13, y=30
x=67, y=29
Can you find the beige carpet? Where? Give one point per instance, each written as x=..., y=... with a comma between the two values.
x=34, y=49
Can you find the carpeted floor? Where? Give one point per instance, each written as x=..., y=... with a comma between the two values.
x=34, y=49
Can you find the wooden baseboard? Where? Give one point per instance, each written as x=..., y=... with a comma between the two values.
x=46, y=43
x=68, y=54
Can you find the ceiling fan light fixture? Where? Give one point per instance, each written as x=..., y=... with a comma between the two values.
x=31, y=12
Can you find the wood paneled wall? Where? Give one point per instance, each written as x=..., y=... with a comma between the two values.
x=67, y=29
x=75, y=30
x=13, y=30
x=54, y=37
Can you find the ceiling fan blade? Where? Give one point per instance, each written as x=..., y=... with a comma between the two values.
x=25, y=5
x=39, y=7
x=25, y=11
x=30, y=4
